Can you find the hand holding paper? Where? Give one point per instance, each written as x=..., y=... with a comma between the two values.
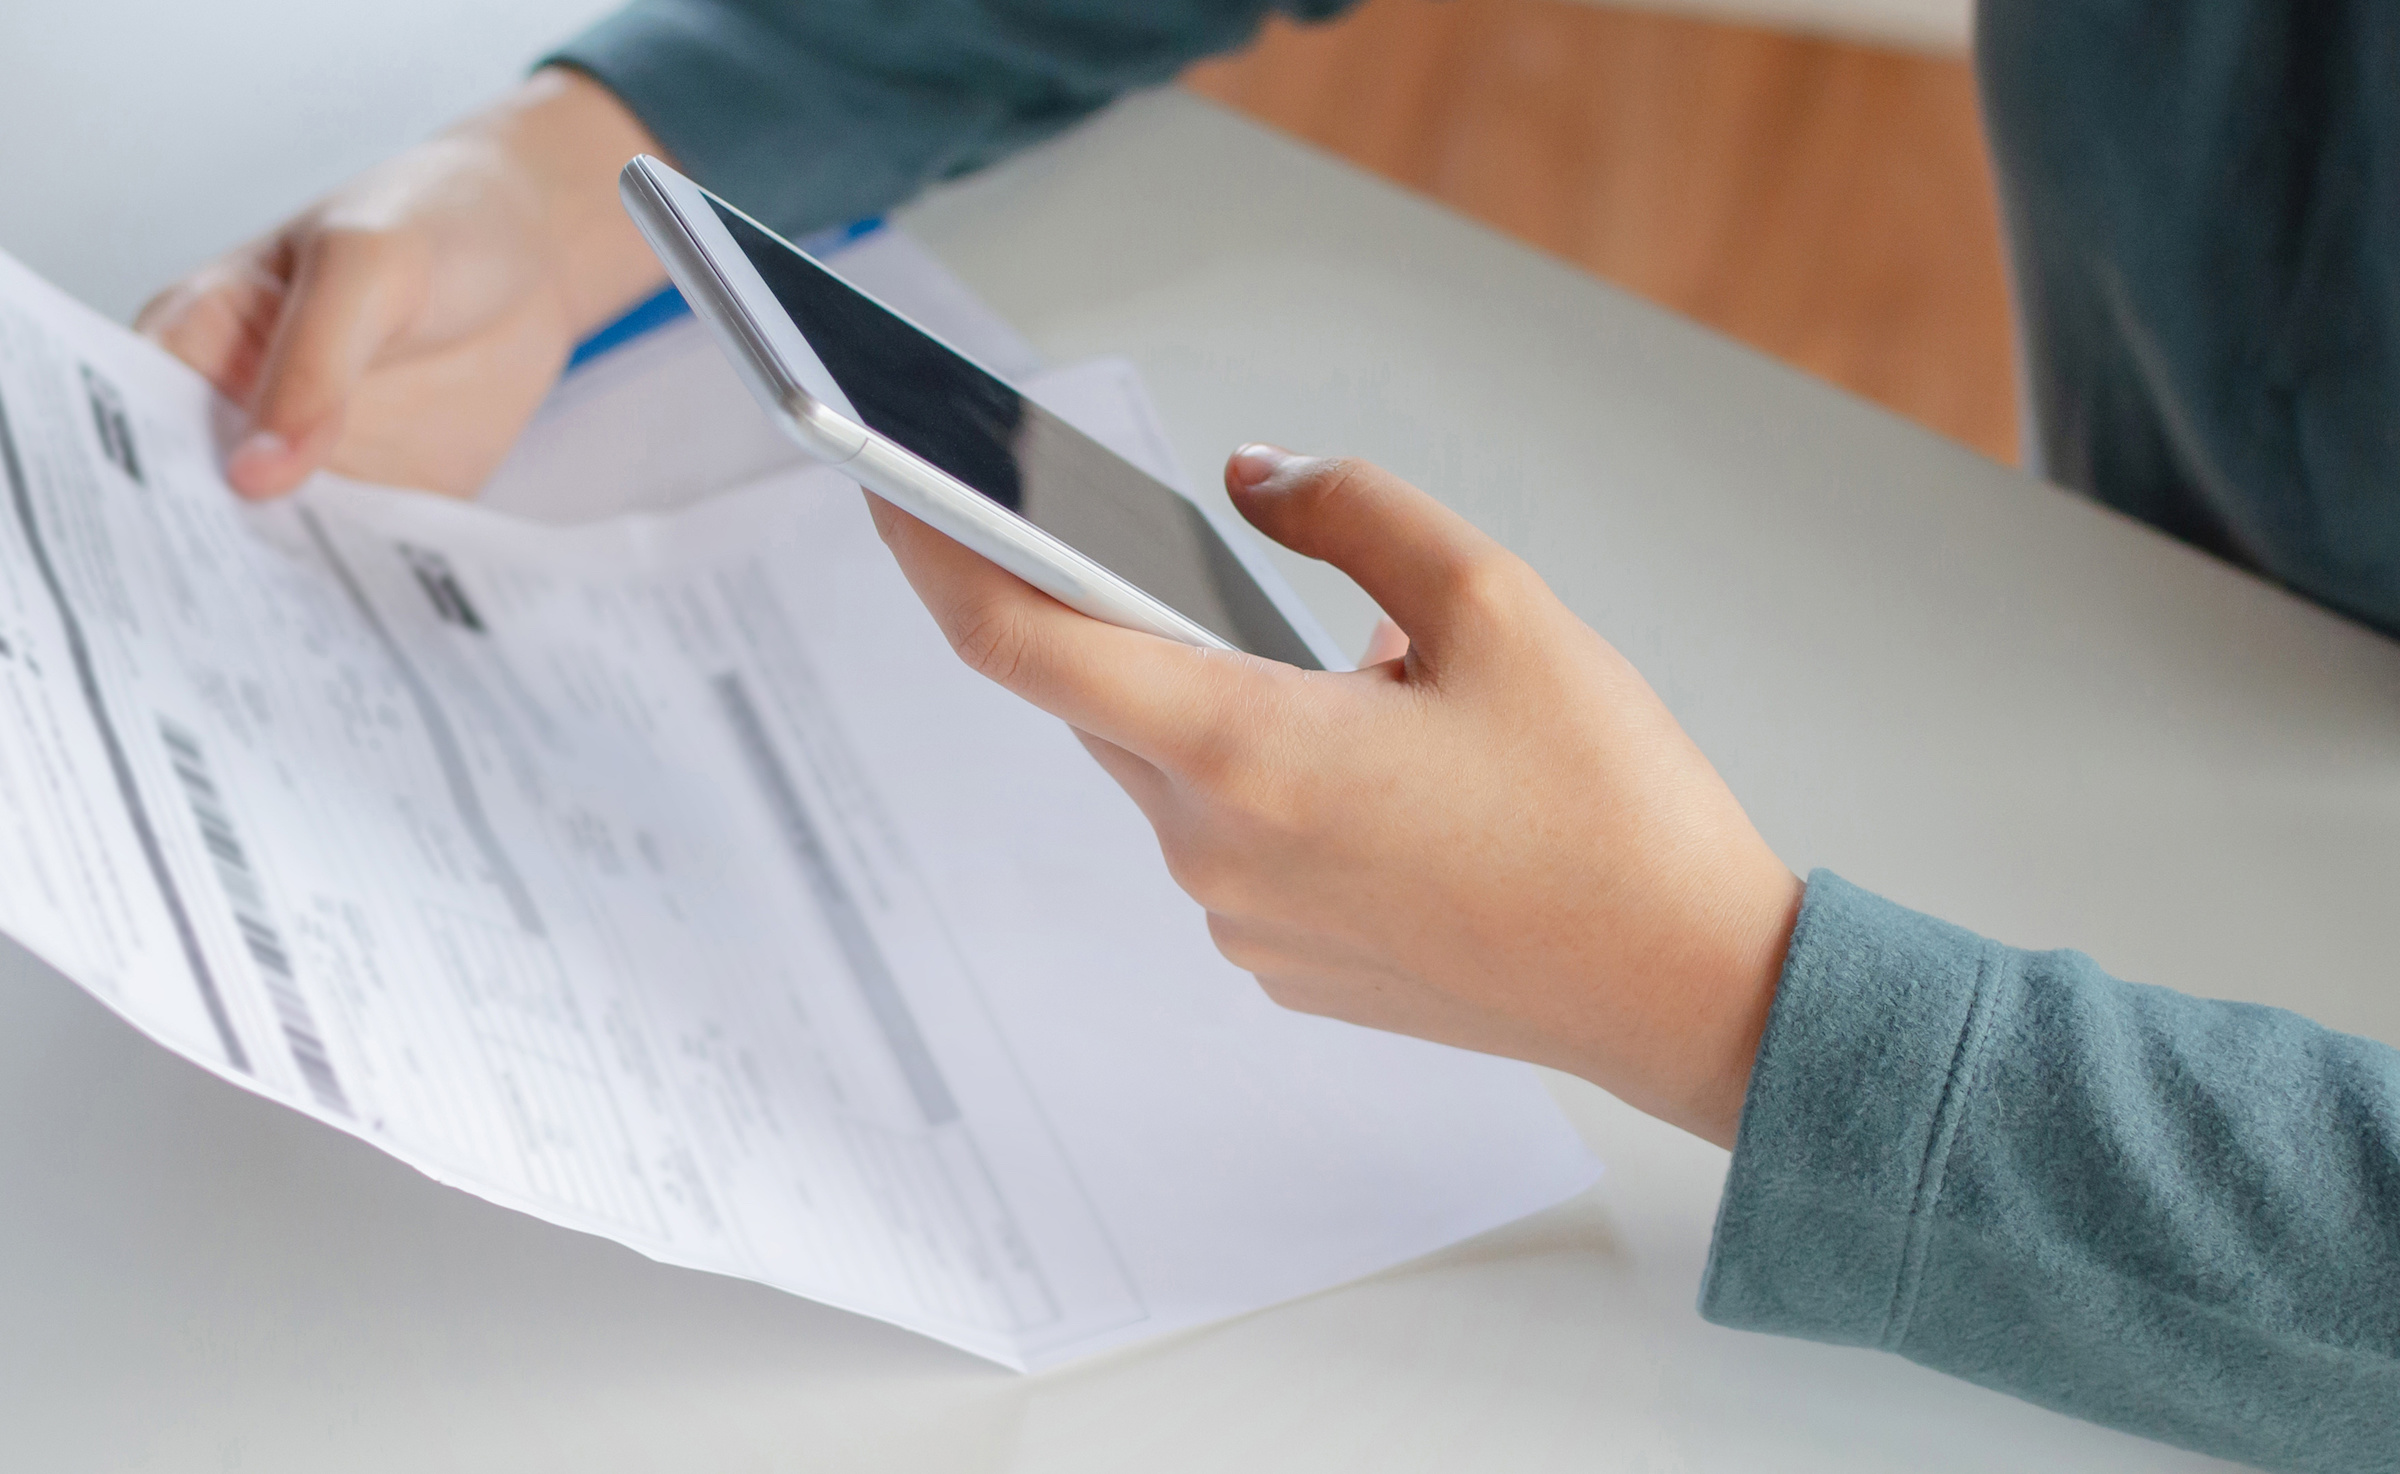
x=666, y=878
x=405, y=327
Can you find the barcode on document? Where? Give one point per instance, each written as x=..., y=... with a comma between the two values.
x=111, y=423
x=249, y=902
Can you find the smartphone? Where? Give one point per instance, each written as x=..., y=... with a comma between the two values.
x=921, y=425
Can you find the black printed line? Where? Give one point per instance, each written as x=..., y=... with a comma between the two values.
x=876, y=985
x=21, y=495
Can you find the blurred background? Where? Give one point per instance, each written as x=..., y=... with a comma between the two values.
x=1805, y=175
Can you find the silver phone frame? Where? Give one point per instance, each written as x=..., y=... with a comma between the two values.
x=773, y=358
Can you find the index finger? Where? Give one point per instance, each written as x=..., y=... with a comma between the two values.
x=218, y=320
x=1163, y=701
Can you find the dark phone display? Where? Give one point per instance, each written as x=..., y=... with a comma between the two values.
x=916, y=392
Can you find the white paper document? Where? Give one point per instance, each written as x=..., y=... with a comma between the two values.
x=666, y=877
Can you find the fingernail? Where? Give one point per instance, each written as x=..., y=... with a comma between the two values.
x=257, y=452
x=1253, y=464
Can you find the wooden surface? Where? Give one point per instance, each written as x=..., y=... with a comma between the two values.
x=1825, y=202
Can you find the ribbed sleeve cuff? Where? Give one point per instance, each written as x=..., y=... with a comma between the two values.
x=1853, y=1102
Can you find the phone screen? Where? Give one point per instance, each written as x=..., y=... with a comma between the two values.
x=916, y=392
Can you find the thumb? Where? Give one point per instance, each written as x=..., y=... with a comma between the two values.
x=1430, y=569
x=344, y=305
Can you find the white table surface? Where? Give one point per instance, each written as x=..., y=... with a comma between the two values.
x=1967, y=691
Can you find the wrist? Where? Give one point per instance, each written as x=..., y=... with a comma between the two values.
x=563, y=137
x=1681, y=1041
x=1732, y=1016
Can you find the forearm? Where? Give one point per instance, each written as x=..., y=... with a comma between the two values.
x=2171, y=1215
x=810, y=113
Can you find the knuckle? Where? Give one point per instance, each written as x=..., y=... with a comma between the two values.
x=1490, y=582
x=1218, y=762
x=1243, y=788
x=1236, y=945
x=992, y=639
x=1278, y=990
x=344, y=227
x=1293, y=994
x=335, y=243
x=1234, y=872
x=1235, y=761
x=1339, y=480
x=358, y=254
x=1208, y=874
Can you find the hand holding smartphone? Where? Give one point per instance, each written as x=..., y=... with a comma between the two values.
x=912, y=420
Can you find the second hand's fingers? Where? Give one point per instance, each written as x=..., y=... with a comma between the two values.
x=349, y=294
x=1161, y=701
x=219, y=322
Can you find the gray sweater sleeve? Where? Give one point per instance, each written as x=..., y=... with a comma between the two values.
x=809, y=113
x=2174, y=1216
